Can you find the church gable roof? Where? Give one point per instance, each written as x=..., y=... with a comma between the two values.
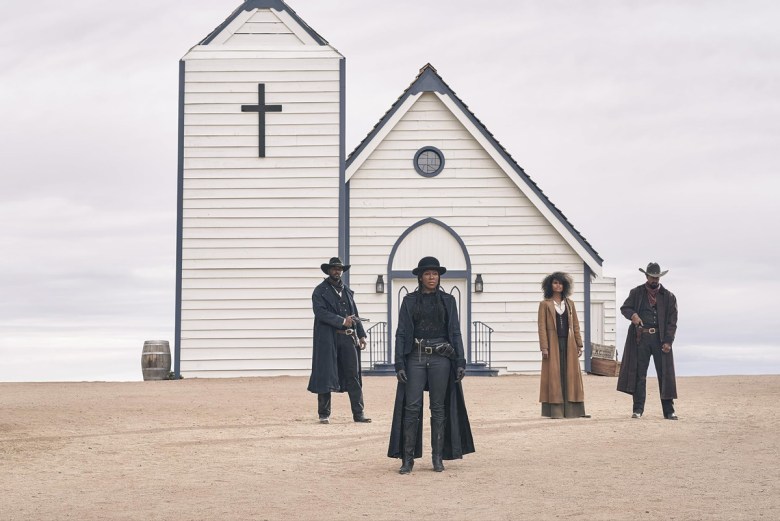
x=428, y=80
x=280, y=20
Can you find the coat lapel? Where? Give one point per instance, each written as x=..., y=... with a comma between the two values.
x=331, y=297
x=550, y=309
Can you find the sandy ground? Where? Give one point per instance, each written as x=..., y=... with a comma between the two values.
x=251, y=448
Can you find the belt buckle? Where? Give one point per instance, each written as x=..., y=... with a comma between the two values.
x=349, y=331
x=428, y=350
x=652, y=330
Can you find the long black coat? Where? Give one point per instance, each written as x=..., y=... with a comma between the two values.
x=666, y=305
x=325, y=375
x=457, y=429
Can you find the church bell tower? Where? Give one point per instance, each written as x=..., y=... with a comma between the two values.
x=260, y=193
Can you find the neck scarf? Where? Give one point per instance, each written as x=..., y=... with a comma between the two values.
x=652, y=293
x=338, y=286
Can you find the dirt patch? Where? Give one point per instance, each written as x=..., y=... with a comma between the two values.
x=251, y=448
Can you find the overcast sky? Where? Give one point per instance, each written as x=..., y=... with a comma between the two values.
x=653, y=125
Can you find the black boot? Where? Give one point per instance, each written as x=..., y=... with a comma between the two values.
x=437, y=444
x=410, y=440
x=323, y=407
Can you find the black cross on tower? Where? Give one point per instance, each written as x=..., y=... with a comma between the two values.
x=261, y=108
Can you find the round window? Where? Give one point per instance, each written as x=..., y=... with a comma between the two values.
x=428, y=161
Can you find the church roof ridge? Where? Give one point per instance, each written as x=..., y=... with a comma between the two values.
x=279, y=5
x=429, y=80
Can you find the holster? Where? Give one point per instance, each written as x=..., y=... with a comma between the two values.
x=446, y=350
x=438, y=347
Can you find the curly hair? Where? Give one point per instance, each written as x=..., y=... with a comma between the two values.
x=563, y=278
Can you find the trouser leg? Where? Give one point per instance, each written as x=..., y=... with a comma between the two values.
x=348, y=360
x=666, y=405
x=438, y=382
x=417, y=376
x=643, y=362
x=323, y=405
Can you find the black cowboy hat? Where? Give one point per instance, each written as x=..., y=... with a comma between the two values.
x=654, y=270
x=335, y=262
x=429, y=263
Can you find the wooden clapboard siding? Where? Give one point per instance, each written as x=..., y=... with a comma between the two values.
x=260, y=28
x=509, y=241
x=248, y=353
x=245, y=313
x=304, y=86
x=286, y=76
x=290, y=108
x=259, y=64
x=230, y=141
x=254, y=230
x=253, y=367
x=238, y=373
x=197, y=344
x=237, y=52
x=253, y=203
x=602, y=289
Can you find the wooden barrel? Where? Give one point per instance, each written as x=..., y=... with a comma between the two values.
x=156, y=360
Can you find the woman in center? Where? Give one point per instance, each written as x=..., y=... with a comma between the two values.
x=429, y=355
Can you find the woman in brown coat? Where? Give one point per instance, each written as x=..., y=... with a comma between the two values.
x=560, y=392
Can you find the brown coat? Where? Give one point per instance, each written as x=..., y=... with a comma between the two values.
x=550, y=390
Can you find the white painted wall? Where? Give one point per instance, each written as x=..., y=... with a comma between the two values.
x=602, y=290
x=509, y=240
x=255, y=230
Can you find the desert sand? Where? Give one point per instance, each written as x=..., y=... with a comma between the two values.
x=251, y=448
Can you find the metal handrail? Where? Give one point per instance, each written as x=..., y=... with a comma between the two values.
x=376, y=338
x=481, y=344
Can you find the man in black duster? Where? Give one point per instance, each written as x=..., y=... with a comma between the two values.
x=338, y=339
x=429, y=356
x=652, y=310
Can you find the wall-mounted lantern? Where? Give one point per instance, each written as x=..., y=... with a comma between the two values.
x=380, y=284
x=478, y=284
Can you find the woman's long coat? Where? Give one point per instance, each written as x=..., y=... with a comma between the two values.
x=325, y=375
x=666, y=307
x=550, y=390
x=457, y=429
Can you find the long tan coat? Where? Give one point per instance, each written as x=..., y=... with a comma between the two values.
x=550, y=390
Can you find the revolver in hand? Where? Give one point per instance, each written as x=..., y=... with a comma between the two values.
x=352, y=331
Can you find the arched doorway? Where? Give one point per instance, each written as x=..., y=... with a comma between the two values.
x=429, y=237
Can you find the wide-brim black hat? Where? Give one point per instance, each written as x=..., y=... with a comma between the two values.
x=654, y=270
x=335, y=262
x=429, y=263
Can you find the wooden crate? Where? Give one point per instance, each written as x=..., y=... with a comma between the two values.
x=603, y=367
x=602, y=351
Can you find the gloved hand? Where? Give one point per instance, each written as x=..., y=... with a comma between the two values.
x=460, y=374
x=401, y=375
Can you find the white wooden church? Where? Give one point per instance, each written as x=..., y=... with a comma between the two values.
x=267, y=193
